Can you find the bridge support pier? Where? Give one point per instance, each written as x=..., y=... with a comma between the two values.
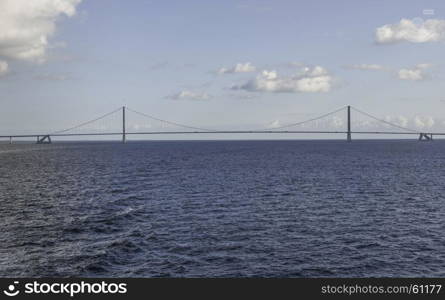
x=348, y=135
x=46, y=139
x=426, y=137
x=10, y=140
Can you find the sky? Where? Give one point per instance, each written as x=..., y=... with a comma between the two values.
x=220, y=64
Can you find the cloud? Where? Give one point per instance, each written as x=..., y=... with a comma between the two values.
x=366, y=67
x=337, y=122
x=310, y=80
x=238, y=68
x=26, y=26
x=431, y=30
x=190, y=95
x=402, y=121
x=3, y=67
x=410, y=74
x=397, y=120
x=423, y=122
x=274, y=124
x=416, y=73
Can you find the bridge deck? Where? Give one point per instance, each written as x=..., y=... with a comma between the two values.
x=187, y=129
x=216, y=132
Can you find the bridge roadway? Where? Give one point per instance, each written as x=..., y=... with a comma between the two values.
x=217, y=132
x=46, y=138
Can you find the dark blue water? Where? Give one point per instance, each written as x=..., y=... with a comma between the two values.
x=226, y=208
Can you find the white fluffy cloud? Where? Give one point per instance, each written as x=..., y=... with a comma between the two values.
x=315, y=79
x=3, y=67
x=423, y=122
x=366, y=67
x=274, y=124
x=26, y=25
x=397, y=120
x=402, y=121
x=431, y=30
x=410, y=74
x=190, y=95
x=238, y=68
x=416, y=73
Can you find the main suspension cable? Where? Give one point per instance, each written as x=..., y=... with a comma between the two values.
x=309, y=120
x=88, y=122
x=170, y=122
x=383, y=121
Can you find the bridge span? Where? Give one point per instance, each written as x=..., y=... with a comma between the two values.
x=44, y=138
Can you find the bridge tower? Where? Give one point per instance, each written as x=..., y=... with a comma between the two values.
x=348, y=134
x=124, y=138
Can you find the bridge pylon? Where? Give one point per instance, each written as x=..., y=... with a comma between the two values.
x=124, y=135
x=348, y=134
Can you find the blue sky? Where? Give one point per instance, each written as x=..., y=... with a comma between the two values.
x=178, y=60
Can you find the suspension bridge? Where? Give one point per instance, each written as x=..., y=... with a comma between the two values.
x=175, y=128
